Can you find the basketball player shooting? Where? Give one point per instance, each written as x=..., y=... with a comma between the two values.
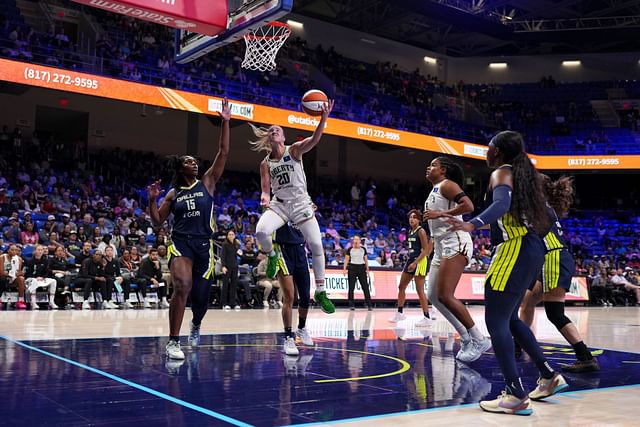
x=282, y=174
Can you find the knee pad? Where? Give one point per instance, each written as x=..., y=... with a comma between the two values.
x=555, y=314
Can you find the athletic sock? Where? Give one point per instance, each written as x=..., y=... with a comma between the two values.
x=302, y=322
x=288, y=332
x=320, y=287
x=272, y=253
x=582, y=352
x=174, y=338
x=516, y=389
x=546, y=371
x=400, y=309
x=475, y=333
x=426, y=314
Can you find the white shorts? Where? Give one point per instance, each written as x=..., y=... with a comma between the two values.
x=450, y=245
x=296, y=211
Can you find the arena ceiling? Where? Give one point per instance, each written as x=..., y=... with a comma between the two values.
x=490, y=27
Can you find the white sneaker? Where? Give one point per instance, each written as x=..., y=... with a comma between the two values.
x=425, y=322
x=174, y=351
x=265, y=304
x=465, y=347
x=53, y=305
x=304, y=336
x=475, y=350
x=397, y=317
x=165, y=304
x=280, y=304
x=236, y=308
x=34, y=303
x=86, y=305
x=113, y=305
x=146, y=303
x=106, y=306
x=227, y=308
x=127, y=304
x=290, y=348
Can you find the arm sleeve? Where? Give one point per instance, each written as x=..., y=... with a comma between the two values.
x=500, y=206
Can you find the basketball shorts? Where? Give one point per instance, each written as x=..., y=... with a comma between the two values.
x=198, y=250
x=515, y=264
x=451, y=244
x=421, y=269
x=296, y=211
x=558, y=270
x=292, y=260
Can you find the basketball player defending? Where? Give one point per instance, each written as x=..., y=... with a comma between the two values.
x=191, y=250
x=283, y=172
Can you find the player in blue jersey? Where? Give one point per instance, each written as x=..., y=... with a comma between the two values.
x=557, y=272
x=518, y=220
x=190, y=200
x=293, y=273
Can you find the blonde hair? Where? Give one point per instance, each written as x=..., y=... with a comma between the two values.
x=262, y=143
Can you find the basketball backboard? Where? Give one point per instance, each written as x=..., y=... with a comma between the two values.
x=249, y=15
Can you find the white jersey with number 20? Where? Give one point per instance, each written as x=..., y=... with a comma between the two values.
x=288, y=181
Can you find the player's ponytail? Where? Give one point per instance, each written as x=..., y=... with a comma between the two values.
x=559, y=193
x=262, y=143
x=528, y=198
x=453, y=171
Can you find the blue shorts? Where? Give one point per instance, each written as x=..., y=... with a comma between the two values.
x=559, y=268
x=293, y=262
x=515, y=264
x=198, y=250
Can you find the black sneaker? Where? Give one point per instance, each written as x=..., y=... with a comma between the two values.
x=582, y=366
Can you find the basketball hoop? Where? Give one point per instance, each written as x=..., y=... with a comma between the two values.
x=263, y=45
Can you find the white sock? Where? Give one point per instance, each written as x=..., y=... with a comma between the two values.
x=164, y=299
x=320, y=287
x=272, y=253
x=475, y=333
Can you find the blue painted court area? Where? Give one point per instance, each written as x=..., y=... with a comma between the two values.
x=246, y=380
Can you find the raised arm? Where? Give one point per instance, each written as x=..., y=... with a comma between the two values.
x=452, y=191
x=501, y=184
x=159, y=214
x=265, y=184
x=213, y=174
x=301, y=147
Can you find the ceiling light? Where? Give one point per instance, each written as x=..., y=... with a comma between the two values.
x=430, y=60
x=571, y=63
x=368, y=41
x=498, y=65
x=295, y=24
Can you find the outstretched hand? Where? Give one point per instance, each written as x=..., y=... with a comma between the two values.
x=154, y=190
x=225, y=113
x=458, y=225
x=326, y=109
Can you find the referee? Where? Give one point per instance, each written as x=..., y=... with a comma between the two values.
x=357, y=264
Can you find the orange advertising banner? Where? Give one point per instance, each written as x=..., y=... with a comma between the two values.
x=89, y=84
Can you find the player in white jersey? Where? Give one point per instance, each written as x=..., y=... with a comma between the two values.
x=282, y=174
x=452, y=252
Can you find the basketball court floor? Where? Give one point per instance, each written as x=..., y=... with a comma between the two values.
x=78, y=368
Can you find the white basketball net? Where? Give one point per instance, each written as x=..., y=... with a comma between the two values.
x=263, y=44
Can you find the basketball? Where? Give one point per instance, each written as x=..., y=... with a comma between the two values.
x=312, y=102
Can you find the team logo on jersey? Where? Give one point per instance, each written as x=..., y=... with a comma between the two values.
x=286, y=158
x=435, y=190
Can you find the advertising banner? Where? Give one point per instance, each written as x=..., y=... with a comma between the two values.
x=89, y=84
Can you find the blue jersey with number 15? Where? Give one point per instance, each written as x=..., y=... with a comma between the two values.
x=192, y=209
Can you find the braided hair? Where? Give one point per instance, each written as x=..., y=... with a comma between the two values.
x=175, y=165
x=559, y=193
x=528, y=197
x=453, y=171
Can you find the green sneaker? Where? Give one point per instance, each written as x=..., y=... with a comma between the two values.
x=325, y=303
x=272, y=266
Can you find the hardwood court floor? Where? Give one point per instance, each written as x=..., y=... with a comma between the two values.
x=108, y=368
